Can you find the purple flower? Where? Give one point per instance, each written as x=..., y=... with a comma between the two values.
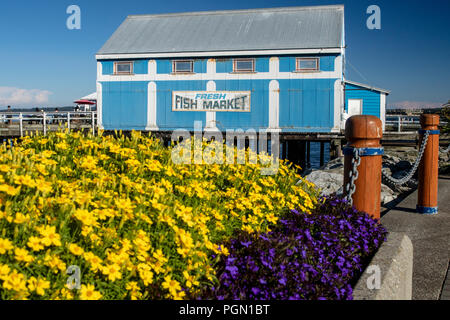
x=256, y=291
x=333, y=244
x=246, y=244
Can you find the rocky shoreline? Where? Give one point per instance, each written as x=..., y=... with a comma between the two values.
x=397, y=162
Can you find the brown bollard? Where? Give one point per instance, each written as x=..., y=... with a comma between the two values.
x=427, y=200
x=364, y=133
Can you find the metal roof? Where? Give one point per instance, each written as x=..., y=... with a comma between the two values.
x=367, y=86
x=314, y=27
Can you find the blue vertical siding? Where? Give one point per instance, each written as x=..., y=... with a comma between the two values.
x=262, y=64
x=306, y=104
x=140, y=67
x=107, y=67
x=224, y=65
x=163, y=66
x=370, y=99
x=259, y=105
x=327, y=63
x=200, y=65
x=124, y=105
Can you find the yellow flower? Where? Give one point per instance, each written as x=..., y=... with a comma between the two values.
x=15, y=281
x=87, y=292
x=21, y=218
x=94, y=261
x=41, y=168
x=9, y=190
x=66, y=294
x=112, y=271
x=4, y=271
x=135, y=290
x=22, y=255
x=86, y=217
x=75, y=249
x=89, y=163
x=179, y=295
x=54, y=263
x=190, y=280
x=132, y=286
x=38, y=285
x=172, y=285
x=49, y=236
x=124, y=204
x=145, y=274
x=34, y=243
x=25, y=180
x=5, y=245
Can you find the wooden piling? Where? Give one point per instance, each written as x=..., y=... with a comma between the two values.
x=364, y=133
x=427, y=200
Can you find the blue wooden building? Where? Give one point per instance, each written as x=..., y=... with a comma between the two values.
x=278, y=68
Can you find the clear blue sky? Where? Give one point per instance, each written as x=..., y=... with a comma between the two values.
x=43, y=63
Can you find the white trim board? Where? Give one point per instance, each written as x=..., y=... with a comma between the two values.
x=383, y=110
x=151, y=107
x=224, y=76
x=99, y=105
x=216, y=53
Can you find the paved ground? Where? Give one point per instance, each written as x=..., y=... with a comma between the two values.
x=445, y=294
x=430, y=235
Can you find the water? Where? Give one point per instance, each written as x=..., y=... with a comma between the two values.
x=314, y=153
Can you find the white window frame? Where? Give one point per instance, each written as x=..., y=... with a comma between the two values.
x=243, y=59
x=174, y=63
x=123, y=62
x=299, y=59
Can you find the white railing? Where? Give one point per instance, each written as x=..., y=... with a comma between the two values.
x=45, y=121
x=400, y=123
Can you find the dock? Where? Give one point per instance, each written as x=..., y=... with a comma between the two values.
x=430, y=236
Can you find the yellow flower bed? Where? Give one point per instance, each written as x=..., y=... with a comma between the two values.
x=136, y=225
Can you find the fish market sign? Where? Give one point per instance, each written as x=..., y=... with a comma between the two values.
x=228, y=101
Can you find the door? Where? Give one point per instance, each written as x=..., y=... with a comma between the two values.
x=354, y=107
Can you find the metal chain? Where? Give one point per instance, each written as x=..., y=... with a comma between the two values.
x=406, y=178
x=350, y=188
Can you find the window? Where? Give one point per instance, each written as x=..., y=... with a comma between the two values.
x=183, y=66
x=244, y=65
x=307, y=64
x=123, y=67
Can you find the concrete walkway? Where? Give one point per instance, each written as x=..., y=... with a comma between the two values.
x=430, y=235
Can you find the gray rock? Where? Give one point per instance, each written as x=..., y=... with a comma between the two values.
x=387, y=194
x=328, y=182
